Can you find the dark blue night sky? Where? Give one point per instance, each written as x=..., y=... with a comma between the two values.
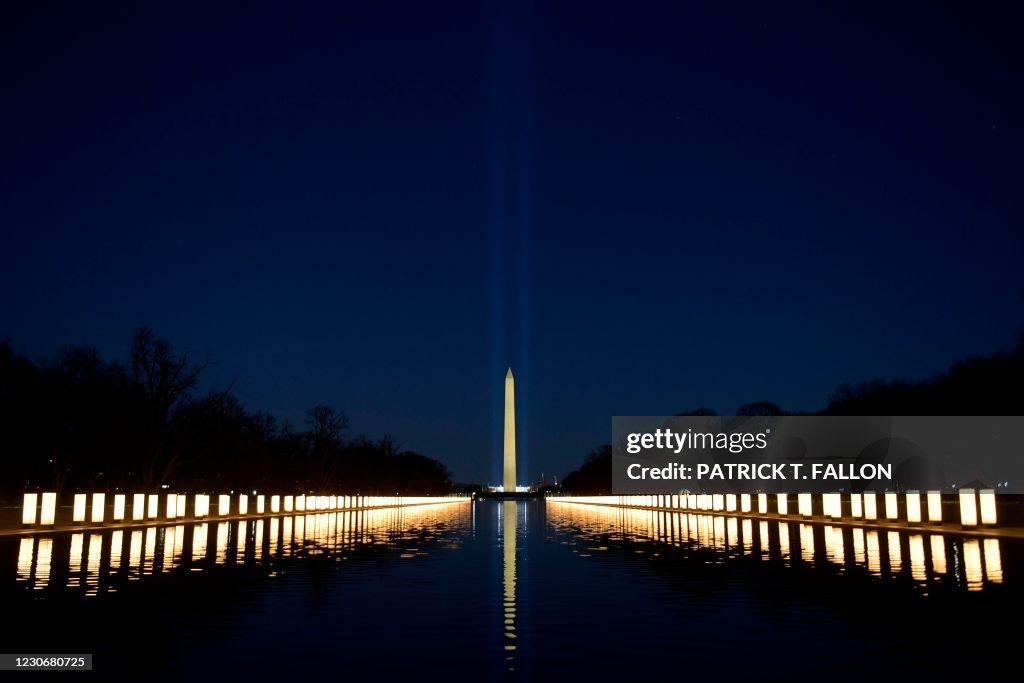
x=642, y=209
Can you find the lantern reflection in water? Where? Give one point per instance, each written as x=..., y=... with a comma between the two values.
x=76, y=559
x=784, y=540
x=44, y=561
x=26, y=550
x=938, y=543
x=200, y=532
x=993, y=560
x=116, y=547
x=134, y=554
x=92, y=568
x=918, y=571
x=874, y=555
x=859, y=556
x=223, y=529
x=895, y=556
x=972, y=565
x=807, y=542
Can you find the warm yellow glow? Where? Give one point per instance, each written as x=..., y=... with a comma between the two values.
x=26, y=549
x=181, y=504
x=807, y=542
x=171, y=506
x=968, y=508
x=784, y=539
x=917, y=568
x=223, y=504
x=300, y=503
x=938, y=543
x=44, y=561
x=116, y=546
x=803, y=503
x=895, y=556
x=98, y=505
x=891, y=506
x=856, y=505
x=870, y=506
x=152, y=505
x=832, y=505
x=762, y=503
x=78, y=508
x=119, y=507
x=29, y=510
x=993, y=560
x=288, y=503
x=138, y=507
x=243, y=504
x=858, y=546
x=200, y=532
x=260, y=504
x=201, y=506
x=48, y=513
x=972, y=562
x=874, y=554
x=987, y=501
x=275, y=504
x=744, y=502
x=717, y=502
x=782, y=503
x=934, y=506
x=730, y=502
x=914, y=508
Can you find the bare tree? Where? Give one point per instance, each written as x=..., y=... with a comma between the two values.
x=164, y=381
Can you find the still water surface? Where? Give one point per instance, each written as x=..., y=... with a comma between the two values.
x=513, y=590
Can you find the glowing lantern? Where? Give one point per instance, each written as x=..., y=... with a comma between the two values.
x=968, y=508
x=300, y=503
x=717, y=501
x=891, y=506
x=803, y=502
x=987, y=500
x=870, y=506
x=223, y=504
x=934, y=506
x=181, y=504
x=275, y=504
x=856, y=505
x=730, y=502
x=119, y=507
x=172, y=506
x=78, y=509
x=138, y=507
x=288, y=503
x=152, y=505
x=782, y=503
x=762, y=503
x=48, y=515
x=260, y=504
x=914, y=511
x=202, y=505
x=29, y=511
x=243, y=504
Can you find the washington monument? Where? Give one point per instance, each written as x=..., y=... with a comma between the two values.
x=509, y=479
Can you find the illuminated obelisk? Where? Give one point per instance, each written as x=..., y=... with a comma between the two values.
x=509, y=478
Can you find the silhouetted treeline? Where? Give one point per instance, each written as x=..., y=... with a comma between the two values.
x=79, y=422
x=977, y=386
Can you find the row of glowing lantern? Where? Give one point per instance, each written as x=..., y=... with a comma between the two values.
x=974, y=507
x=42, y=509
x=723, y=533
